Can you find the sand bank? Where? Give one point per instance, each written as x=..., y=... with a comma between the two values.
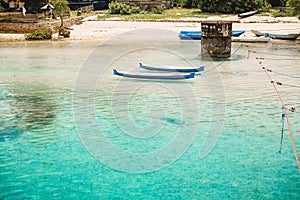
x=94, y=29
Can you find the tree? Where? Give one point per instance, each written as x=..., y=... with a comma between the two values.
x=295, y=4
x=60, y=7
x=230, y=6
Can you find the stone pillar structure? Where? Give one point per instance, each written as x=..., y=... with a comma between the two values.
x=216, y=38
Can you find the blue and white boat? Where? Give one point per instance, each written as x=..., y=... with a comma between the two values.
x=194, y=35
x=197, y=35
x=154, y=75
x=171, y=68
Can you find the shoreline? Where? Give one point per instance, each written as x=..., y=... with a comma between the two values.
x=93, y=28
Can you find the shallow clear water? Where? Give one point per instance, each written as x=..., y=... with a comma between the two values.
x=70, y=129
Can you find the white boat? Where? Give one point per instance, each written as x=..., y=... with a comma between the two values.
x=260, y=33
x=251, y=39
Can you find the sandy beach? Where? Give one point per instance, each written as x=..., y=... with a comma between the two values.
x=94, y=29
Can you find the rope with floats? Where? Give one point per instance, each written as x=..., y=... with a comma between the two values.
x=279, y=73
x=284, y=108
x=264, y=58
x=280, y=55
x=292, y=109
x=284, y=84
x=280, y=83
x=271, y=54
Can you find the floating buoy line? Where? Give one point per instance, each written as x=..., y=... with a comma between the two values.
x=279, y=73
x=290, y=57
x=264, y=58
x=285, y=109
x=284, y=115
x=271, y=54
x=280, y=83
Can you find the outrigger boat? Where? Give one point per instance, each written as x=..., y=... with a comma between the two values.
x=171, y=69
x=194, y=35
x=197, y=35
x=154, y=75
x=282, y=36
x=291, y=36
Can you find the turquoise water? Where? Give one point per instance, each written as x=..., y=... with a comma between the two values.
x=70, y=129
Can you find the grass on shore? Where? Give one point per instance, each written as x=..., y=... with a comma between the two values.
x=178, y=13
x=175, y=13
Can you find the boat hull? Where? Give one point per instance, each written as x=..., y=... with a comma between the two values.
x=171, y=69
x=252, y=40
x=284, y=36
x=260, y=33
x=247, y=14
x=187, y=35
x=197, y=35
x=154, y=76
x=237, y=33
x=291, y=36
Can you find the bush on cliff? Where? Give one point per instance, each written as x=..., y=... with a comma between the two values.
x=39, y=35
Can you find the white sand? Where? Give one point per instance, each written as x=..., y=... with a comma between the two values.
x=93, y=29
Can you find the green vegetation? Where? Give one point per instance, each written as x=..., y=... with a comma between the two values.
x=175, y=13
x=179, y=3
x=123, y=9
x=179, y=13
x=288, y=12
x=295, y=4
x=1, y=9
x=60, y=8
x=39, y=35
x=231, y=6
x=64, y=32
x=158, y=10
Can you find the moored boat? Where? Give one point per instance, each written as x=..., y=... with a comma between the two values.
x=290, y=36
x=197, y=35
x=171, y=68
x=237, y=33
x=252, y=39
x=247, y=14
x=154, y=75
x=260, y=33
x=194, y=35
